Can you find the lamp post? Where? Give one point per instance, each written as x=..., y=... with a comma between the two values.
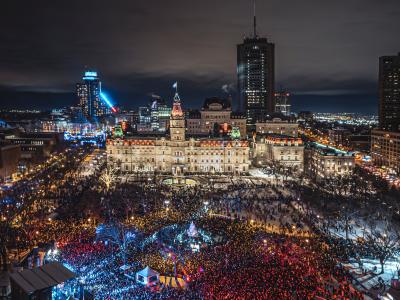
x=166, y=203
x=206, y=203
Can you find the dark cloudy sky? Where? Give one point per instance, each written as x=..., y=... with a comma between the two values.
x=326, y=51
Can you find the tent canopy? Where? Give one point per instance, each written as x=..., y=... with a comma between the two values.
x=147, y=272
x=46, y=276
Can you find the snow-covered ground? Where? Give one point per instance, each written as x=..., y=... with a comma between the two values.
x=262, y=206
x=369, y=276
x=260, y=174
x=391, y=267
x=360, y=228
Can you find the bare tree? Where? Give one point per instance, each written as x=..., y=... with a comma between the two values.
x=108, y=178
x=383, y=244
x=118, y=235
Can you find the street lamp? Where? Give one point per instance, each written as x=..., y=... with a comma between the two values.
x=166, y=203
x=206, y=205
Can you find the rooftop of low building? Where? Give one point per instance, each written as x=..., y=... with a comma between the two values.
x=328, y=150
x=211, y=103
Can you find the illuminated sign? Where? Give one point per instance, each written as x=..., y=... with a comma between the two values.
x=90, y=74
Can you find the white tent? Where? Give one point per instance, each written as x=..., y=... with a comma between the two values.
x=192, y=231
x=148, y=277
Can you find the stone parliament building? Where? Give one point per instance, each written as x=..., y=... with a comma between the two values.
x=178, y=155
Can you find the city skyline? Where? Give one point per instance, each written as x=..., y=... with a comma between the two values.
x=200, y=149
x=42, y=68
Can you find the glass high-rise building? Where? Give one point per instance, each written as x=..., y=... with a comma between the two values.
x=256, y=80
x=160, y=114
x=282, y=103
x=89, y=95
x=389, y=93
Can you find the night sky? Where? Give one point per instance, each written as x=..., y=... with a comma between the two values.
x=326, y=51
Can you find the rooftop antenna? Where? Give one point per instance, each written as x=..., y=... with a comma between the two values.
x=254, y=19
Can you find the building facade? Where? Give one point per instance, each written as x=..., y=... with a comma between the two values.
x=385, y=149
x=178, y=155
x=256, y=78
x=279, y=149
x=89, y=95
x=282, y=103
x=278, y=126
x=360, y=142
x=321, y=162
x=36, y=147
x=144, y=124
x=339, y=136
x=389, y=93
x=385, y=141
x=306, y=116
x=215, y=115
x=154, y=118
x=160, y=113
x=9, y=159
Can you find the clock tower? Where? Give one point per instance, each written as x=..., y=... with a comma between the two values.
x=177, y=120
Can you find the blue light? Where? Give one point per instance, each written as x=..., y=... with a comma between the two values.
x=104, y=97
x=69, y=267
x=90, y=74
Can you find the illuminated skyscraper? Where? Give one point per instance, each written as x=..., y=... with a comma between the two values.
x=282, y=103
x=160, y=114
x=90, y=96
x=389, y=93
x=385, y=142
x=154, y=118
x=255, y=69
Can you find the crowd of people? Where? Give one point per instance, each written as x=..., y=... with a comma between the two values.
x=268, y=206
x=252, y=264
x=29, y=203
x=262, y=248
x=274, y=268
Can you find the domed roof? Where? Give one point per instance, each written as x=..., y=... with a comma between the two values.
x=216, y=103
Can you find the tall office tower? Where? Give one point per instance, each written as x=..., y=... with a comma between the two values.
x=89, y=95
x=144, y=121
x=282, y=103
x=389, y=93
x=160, y=114
x=144, y=115
x=255, y=69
